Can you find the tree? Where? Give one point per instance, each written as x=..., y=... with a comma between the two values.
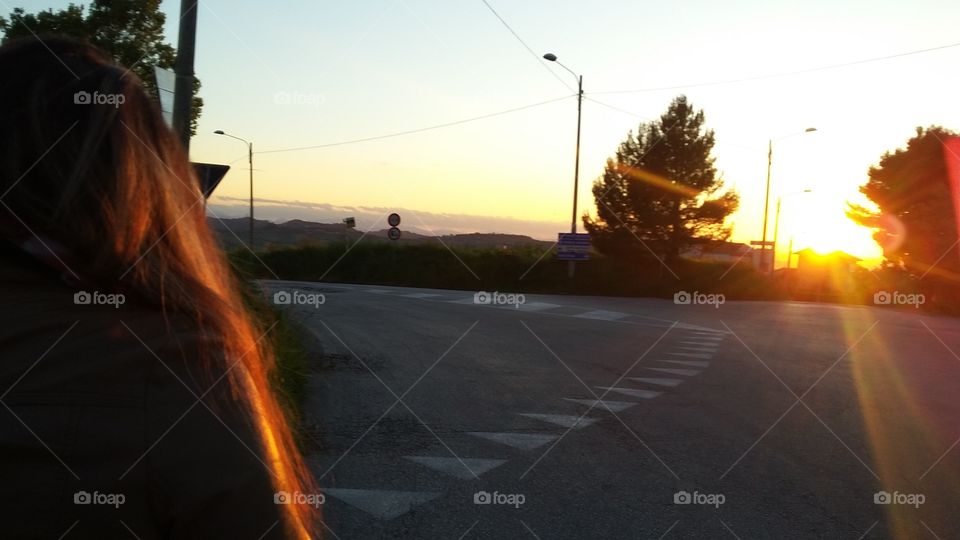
x=130, y=30
x=916, y=225
x=660, y=192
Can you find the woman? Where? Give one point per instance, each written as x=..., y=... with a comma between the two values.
x=134, y=385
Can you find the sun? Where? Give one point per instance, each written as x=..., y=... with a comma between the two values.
x=828, y=233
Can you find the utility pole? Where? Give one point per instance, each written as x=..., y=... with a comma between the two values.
x=183, y=89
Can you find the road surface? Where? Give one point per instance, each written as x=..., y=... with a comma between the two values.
x=589, y=417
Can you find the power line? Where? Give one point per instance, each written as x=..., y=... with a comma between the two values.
x=781, y=74
x=417, y=130
x=527, y=47
x=618, y=109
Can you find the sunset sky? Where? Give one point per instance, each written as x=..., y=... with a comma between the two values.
x=361, y=69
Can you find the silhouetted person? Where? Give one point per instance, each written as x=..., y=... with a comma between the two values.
x=134, y=391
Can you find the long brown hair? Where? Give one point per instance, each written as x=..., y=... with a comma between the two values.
x=87, y=162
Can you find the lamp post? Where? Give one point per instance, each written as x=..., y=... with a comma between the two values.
x=576, y=166
x=766, y=199
x=776, y=229
x=250, y=161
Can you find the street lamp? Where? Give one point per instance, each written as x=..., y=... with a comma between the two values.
x=776, y=229
x=766, y=200
x=576, y=167
x=250, y=161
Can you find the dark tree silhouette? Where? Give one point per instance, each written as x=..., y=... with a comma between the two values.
x=916, y=225
x=660, y=192
x=130, y=30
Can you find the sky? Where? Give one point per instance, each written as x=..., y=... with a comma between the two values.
x=305, y=72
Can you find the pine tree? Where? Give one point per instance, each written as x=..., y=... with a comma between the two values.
x=661, y=191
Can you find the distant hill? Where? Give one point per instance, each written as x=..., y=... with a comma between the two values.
x=233, y=233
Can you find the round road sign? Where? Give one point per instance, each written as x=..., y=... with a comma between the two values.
x=394, y=233
x=393, y=219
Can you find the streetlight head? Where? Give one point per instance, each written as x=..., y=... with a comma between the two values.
x=550, y=56
x=219, y=132
x=810, y=130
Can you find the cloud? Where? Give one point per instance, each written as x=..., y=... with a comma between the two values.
x=374, y=218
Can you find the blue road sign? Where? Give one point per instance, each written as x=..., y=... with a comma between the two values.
x=573, y=247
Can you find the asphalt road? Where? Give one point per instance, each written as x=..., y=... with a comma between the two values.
x=436, y=417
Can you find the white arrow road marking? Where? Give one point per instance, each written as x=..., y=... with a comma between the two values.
x=657, y=381
x=687, y=372
x=602, y=405
x=523, y=441
x=632, y=392
x=382, y=504
x=691, y=363
x=566, y=420
x=464, y=468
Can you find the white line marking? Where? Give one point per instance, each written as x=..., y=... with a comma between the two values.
x=659, y=381
x=632, y=392
x=691, y=363
x=420, y=295
x=566, y=420
x=703, y=356
x=378, y=291
x=602, y=315
x=702, y=343
x=534, y=306
x=602, y=405
x=700, y=349
x=453, y=466
x=523, y=441
x=382, y=504
x=672, y=371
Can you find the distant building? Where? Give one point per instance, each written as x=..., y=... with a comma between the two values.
x=717, y=251
x=824, y=277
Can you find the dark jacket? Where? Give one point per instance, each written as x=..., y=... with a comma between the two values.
x=109, y=429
